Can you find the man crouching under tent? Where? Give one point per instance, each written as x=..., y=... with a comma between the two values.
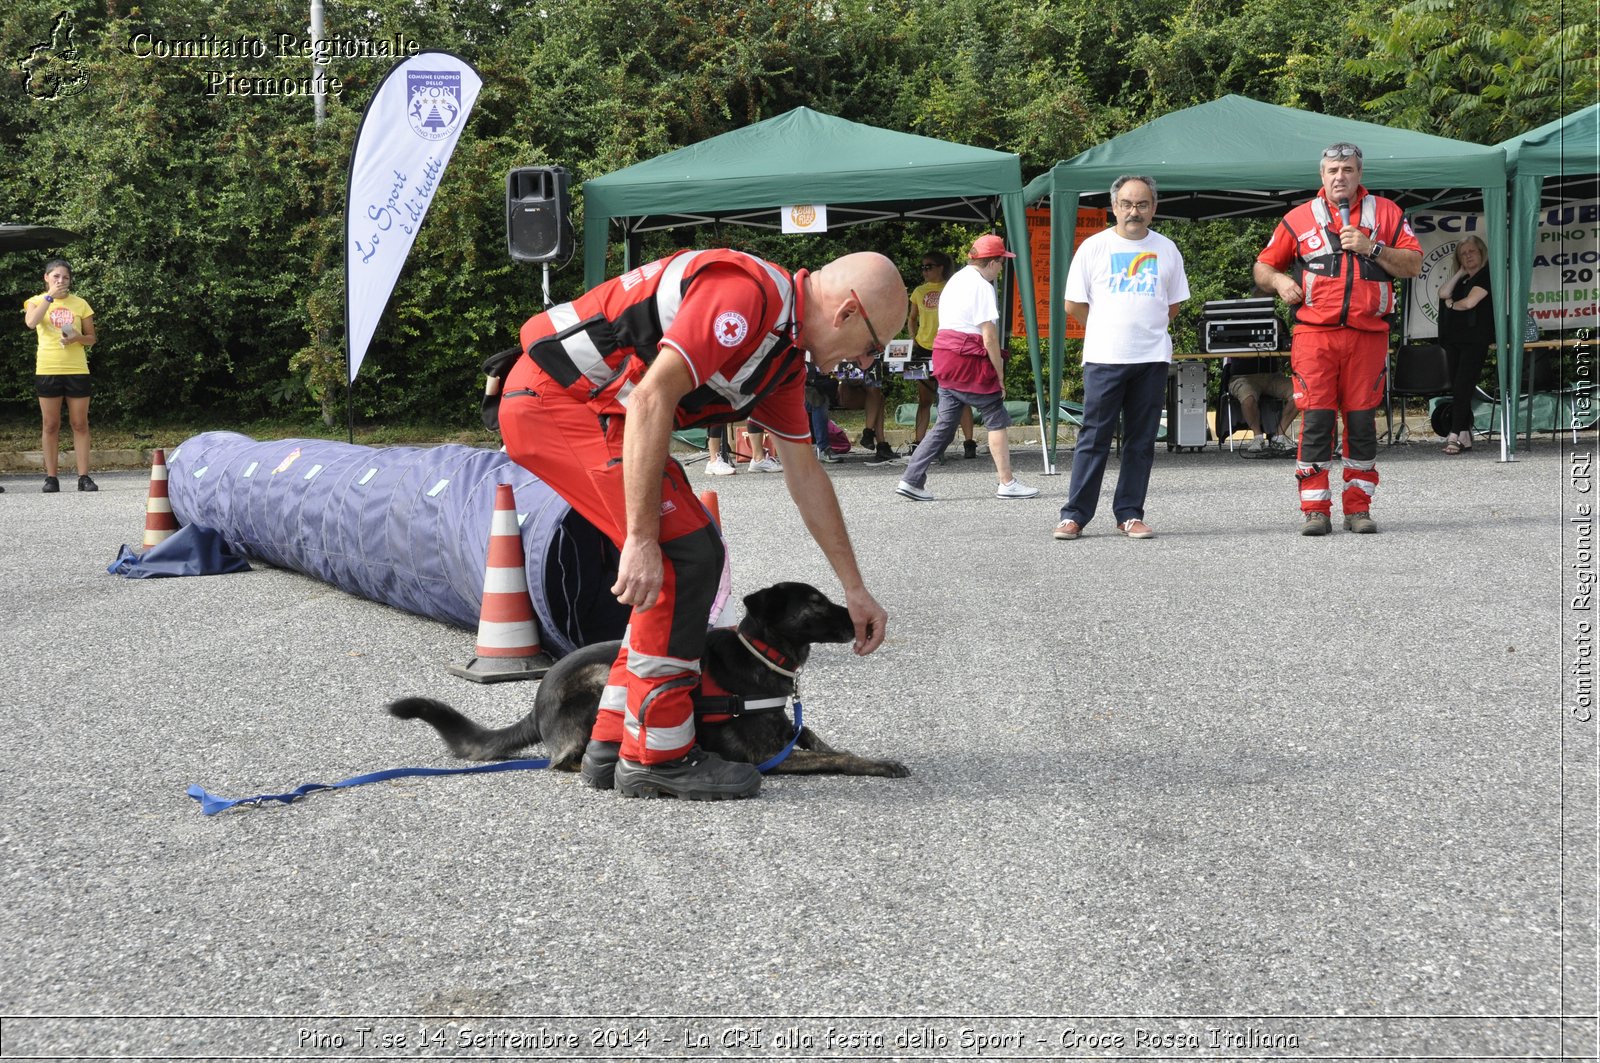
x=698, y=338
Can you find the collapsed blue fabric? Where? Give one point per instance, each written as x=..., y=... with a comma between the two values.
x=193, y=550
x=405, y=526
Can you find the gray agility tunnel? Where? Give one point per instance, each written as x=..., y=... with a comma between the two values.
x=405, y=526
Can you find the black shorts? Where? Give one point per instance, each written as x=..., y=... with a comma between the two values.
x=68, y=386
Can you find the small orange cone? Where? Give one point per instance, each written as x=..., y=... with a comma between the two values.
x=508, y=641
x=159, y=522
x=709, y=500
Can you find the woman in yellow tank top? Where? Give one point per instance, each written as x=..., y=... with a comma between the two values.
x=64, y=325
x=923, y=325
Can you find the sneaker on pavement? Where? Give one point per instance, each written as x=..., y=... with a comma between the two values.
x=600, y=763
x=970, y=448
x=766, y=464
x=720, y=467
x=883, y=452
x=1256, y=444
x=1015, y=489
x=869, y=439
x=1068, y=529
x=86, y=484
x=1282, y=443
x=827, y=456
x=916, y=494
x=1134, y=528
x=51, y=485
x=696, y=776
x=1316, y=524
x=1360, y=523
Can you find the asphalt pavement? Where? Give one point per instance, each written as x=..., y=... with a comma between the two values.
x=1225, y=793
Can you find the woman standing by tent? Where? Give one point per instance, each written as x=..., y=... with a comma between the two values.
x=1466, y=326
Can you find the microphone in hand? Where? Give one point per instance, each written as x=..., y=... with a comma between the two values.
x=1344, y=212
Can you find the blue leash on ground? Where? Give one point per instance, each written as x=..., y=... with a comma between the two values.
x=211, y=804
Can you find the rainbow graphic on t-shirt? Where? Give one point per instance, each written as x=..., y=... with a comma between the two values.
x=1139, y=262
x=1137, y=272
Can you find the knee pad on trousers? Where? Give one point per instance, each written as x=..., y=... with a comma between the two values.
x=696, y=560
x=1316, y=436
x=1362, y=429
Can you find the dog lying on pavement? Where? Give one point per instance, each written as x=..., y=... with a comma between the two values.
x=783, y=620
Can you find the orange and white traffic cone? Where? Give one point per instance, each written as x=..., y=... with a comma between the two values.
x=159, y=523
x=709, y=500
x=508, y=641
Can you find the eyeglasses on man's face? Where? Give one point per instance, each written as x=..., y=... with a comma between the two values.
x=1142, y=206
x=877, y=344
x=926, y=266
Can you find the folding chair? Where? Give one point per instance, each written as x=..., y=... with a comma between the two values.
x=1419, y=370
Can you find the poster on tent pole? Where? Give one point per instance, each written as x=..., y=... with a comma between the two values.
x=1565, y=292
x=1090, y=221
x=403, y=145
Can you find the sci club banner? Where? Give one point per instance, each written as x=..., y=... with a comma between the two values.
x=1565, y=288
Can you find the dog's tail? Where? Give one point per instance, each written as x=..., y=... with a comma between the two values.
x=466, y=739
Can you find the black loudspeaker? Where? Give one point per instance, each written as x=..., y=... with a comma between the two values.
x=537, y=206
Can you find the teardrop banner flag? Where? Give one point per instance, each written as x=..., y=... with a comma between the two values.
x=404, y=143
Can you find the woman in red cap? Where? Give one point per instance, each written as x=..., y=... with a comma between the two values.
x=969, y=364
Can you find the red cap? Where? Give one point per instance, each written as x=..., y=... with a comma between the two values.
x=989, y=246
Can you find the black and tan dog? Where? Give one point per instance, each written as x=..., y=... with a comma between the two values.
x=754, y=663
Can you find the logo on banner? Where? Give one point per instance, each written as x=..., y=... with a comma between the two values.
x=433, y=102
x=804, y=218
x=731, y=328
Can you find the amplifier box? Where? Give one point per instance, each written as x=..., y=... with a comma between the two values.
x=1240, y=325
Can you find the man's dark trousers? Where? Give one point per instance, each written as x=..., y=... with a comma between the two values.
x=1137, y=393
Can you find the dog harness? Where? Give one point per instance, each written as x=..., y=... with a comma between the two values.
x=714, y=703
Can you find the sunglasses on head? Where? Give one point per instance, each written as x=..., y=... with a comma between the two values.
x=1341, y=152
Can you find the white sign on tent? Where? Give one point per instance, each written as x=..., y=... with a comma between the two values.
x=1565, y=292
x=805, y=218
x=405, y=141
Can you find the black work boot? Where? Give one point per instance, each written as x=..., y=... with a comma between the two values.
x=51, y=485
x=600, y=763
x=696, y=776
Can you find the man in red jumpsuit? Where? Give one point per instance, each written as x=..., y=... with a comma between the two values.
x=1335, y=258
x=698, y=338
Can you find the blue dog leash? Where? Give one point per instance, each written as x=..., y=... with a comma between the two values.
x=783, y=754
x=211, y=804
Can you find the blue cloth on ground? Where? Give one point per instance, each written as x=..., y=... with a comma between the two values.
x=193, y=550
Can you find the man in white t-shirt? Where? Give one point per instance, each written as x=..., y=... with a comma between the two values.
x=1125, y=286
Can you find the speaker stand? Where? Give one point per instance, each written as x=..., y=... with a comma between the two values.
x=545, y=268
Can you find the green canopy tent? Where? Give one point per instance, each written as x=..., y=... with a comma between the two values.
x=862, y=173
x=1237, y=157
x=1554, y=163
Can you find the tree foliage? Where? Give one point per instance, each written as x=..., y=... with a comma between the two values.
x=212, y=220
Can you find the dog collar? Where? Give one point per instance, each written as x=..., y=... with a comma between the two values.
x=768, y=656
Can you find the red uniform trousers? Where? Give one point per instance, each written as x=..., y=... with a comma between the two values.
x=646, y=705
x=1338, y=369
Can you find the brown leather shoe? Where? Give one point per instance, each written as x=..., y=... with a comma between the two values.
x=1360, y=523
x=1068, y=529
x=1316, y=523
x=1134, y=528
